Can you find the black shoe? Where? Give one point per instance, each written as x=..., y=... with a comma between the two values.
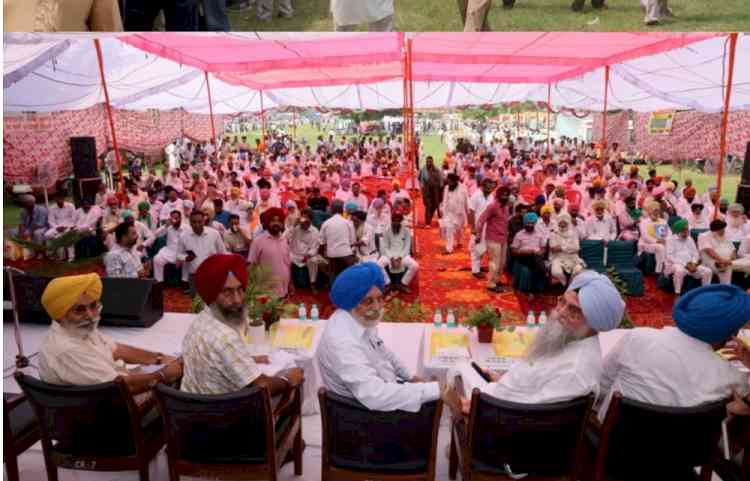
x=484, y=269
x=478, y=275
x=578, y=5
x=496, y=289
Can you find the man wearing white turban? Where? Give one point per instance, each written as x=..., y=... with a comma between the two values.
x=564, y=360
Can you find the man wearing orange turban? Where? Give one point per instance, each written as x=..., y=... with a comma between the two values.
x=216, y=347
x=76, y=353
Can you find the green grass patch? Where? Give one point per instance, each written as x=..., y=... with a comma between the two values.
x=527, y=15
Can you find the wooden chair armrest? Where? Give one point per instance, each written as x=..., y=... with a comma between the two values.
x=290, y=401
x=15, y=401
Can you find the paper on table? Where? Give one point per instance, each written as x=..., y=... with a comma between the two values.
x=279, y=361
x=453, y=344
x=512, y=344
x=292, y=336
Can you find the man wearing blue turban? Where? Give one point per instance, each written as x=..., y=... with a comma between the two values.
x=354, y=361
x=678, y=366
x=564, y=360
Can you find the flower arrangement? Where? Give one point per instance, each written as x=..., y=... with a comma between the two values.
x=485, y=320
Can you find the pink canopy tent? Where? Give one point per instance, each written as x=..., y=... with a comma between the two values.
x=353, y=65
x=490, y=57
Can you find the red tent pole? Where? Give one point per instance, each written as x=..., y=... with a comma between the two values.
x=110, y=116
x=725, y=119
x=210, y=108
x=549, y=123
x=262, y=124
x=606, y=102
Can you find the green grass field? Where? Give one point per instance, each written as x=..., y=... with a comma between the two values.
x=528, y=15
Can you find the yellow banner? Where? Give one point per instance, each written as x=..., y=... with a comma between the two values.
x=660, y=123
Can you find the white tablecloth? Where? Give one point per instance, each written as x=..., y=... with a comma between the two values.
x=407, y=340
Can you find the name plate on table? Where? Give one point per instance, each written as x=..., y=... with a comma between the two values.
x=509, y=347
x=292, y=337
x=448, y=348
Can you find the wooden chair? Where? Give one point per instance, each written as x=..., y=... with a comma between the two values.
x=93, y=428
x=640, y=441
x=20, y=431
x=739, y=439
x=501, y=438
x=230, y=436
x=360, y=444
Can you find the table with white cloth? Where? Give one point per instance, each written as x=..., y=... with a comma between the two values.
x=409, y=341
x=459, y=344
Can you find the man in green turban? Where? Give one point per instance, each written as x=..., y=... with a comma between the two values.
x=682, y=257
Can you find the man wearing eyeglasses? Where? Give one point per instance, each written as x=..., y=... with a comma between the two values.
x=76, y=353
x=564, y=360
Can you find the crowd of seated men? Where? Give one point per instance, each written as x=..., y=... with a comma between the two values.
x=541, y=208
x=303, y=213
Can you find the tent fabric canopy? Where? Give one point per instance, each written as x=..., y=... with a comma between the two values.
x=649, y=71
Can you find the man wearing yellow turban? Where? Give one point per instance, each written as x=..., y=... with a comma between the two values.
x=76, y=353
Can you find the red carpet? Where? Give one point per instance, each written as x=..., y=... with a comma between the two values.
x=443, y=281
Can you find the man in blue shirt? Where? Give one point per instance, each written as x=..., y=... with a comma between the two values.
x=33, y=221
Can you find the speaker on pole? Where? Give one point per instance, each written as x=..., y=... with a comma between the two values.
x=125, y=302
x=83, y=156
x=743, y=191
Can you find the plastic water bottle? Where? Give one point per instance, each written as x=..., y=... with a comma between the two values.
x=302, y=313
x=542, y=319
x=438, y=319
x=530, y=319
x=314, y=313
x=450, y=319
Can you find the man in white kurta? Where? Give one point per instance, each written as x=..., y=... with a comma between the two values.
x=564, y=361
x=87, y=217
x=737, y=224
x=395, y=253
x=61, y=218
x=477, y=204
x=454, y=209
x=682, y=258
x=742, y=262
x=654, y=233
x=304, y=246
x=377, y=14
x=717, y=252
x=168, y=253
x=601, y=226
x=564, y=251
x=678, y=366
x=354, y=361
x=198, y=243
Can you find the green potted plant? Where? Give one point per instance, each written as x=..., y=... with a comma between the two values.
x=485, y=320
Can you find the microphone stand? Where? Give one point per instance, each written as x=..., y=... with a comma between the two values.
x=21, y=360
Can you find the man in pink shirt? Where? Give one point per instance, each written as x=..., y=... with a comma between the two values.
x=496, y=217
x=271, y=250
x=529, y=246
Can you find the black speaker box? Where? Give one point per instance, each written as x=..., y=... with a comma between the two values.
x=125, y=302
x=743, y=196
x=746, y=168
x=83, y=156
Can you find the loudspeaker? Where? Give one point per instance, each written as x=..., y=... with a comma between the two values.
x=125, y=302
x=83, y=156
x=743, y=196
x=746, y=168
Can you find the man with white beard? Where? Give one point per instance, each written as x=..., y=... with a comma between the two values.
x=564, y=361
x=737, y=224
x=354, y=362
